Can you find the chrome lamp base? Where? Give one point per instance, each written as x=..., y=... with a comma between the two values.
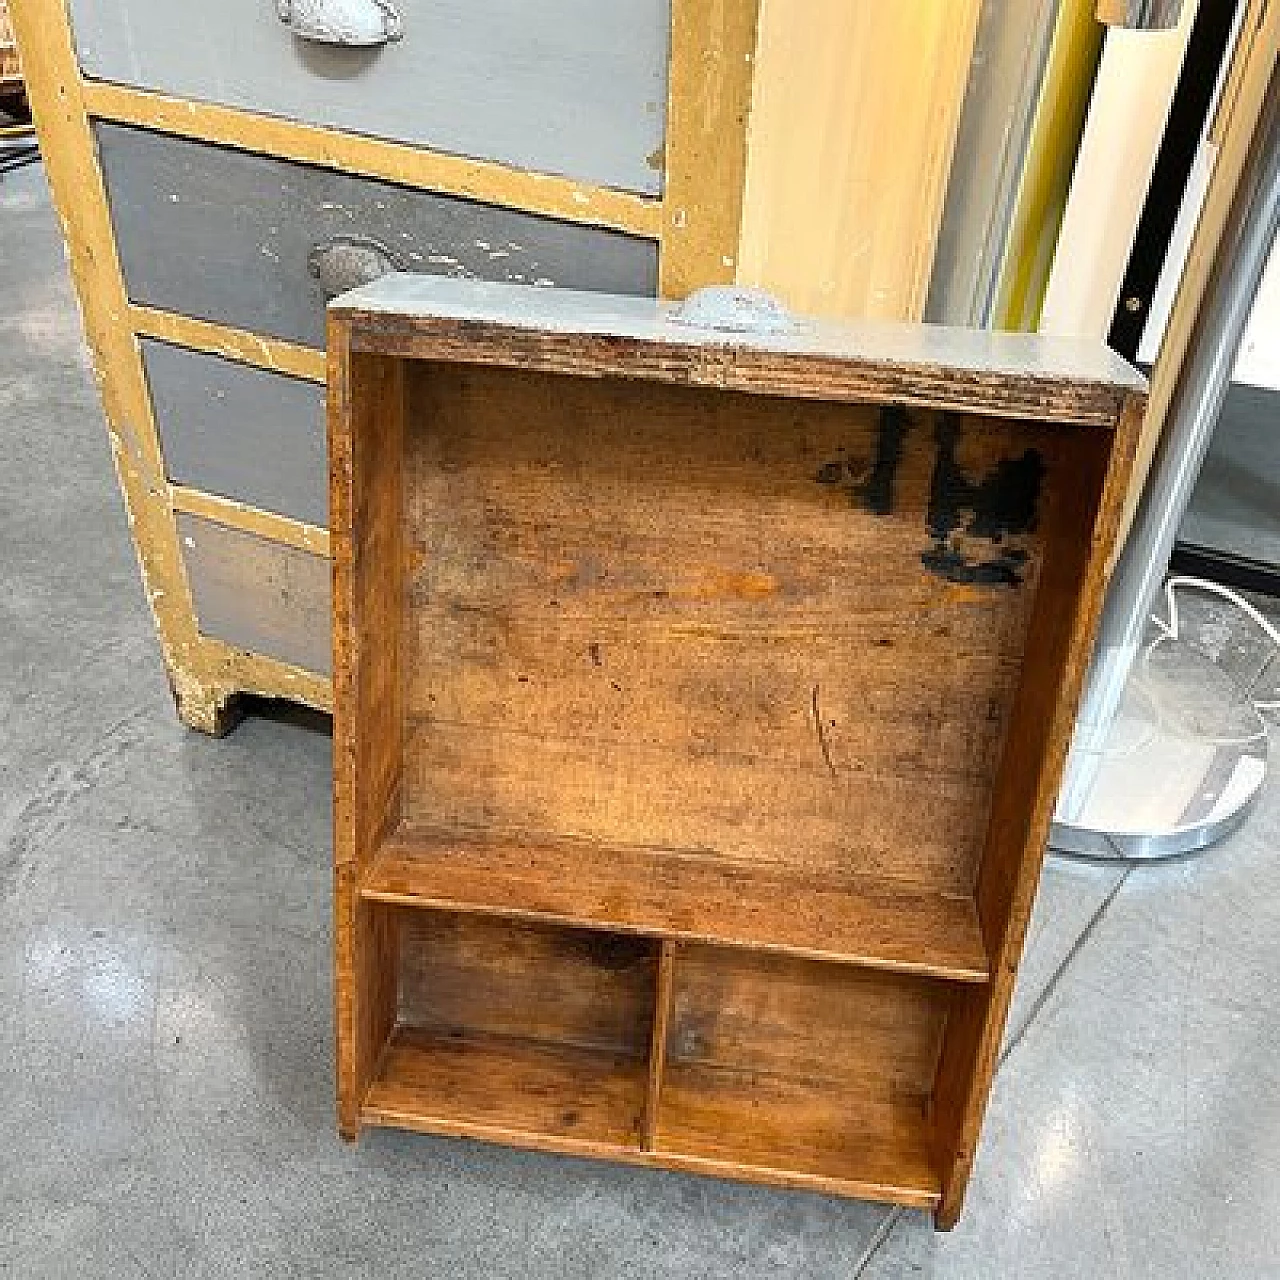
x=1176, y=770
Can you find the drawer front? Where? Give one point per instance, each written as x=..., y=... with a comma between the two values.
x=229, y=237
x=570, y=87
x=258, y=595
x=240, y=432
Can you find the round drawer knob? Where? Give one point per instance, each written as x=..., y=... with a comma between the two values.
x=347, y=262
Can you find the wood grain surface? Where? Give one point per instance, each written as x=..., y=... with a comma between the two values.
x=702, y=701
x=854, y=113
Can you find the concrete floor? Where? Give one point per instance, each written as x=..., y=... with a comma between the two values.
x=165, y=1032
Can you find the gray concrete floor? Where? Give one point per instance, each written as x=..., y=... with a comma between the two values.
x=165, y=1030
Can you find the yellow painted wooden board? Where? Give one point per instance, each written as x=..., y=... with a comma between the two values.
x=853, y=123
x=1050, y=162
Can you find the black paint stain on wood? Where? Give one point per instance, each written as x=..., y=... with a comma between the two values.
x=877, y=492
x=1003, y=571
x=1003, y=502
x=615, y=953
x=873, y=489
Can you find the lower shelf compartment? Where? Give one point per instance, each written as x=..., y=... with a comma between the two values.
x=750, y=1065
x=584, y=1102
x=787, y=1132
x=553, y=1096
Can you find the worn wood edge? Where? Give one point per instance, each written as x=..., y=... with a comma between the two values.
x=345, y=867
x=234, y=671
x=1249, y=32
x=1253, y=64
x=249, y=519
x=938, y=172
x=80, y=200
x=727, y=368
x=708, y=106
x=662, y=1158
x=273, y=354
x=482, y=180
x=998, y=995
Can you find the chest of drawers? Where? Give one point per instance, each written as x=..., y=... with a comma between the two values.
x=222, y=169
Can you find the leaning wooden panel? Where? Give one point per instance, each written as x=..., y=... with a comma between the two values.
x=855, y=107
x=700, y=700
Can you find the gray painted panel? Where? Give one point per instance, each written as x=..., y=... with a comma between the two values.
x=240, y=432
x=1082, y=362
x=224, y=235
x=258, y=595
x=1005, y=78
x=560, y=86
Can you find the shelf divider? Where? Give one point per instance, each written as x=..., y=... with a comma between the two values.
x=658, y=1049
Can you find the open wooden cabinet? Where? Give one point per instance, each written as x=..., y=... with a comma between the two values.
x=701, y=700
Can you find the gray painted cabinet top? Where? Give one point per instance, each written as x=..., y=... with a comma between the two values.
x=569, y=87
x=962, y=353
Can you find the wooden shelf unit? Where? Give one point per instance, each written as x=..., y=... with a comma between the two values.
x=700, y=704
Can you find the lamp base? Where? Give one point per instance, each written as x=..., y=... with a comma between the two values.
x=1182, y=762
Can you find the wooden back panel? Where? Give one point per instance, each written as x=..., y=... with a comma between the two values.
x=760, y=628
x=877, y=1034
x=476, y=975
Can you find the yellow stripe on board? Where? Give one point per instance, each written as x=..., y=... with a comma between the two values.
x=483, y=180
x=1046, y=174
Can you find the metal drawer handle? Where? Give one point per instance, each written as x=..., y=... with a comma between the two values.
x=347, y=262
x=355, y=23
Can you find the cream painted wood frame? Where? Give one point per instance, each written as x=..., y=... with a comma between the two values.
x=781, y=170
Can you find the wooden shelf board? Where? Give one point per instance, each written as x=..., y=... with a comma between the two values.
x=796, y=1133
x=877, y=923
x=554, y=1096
x=585, y=1102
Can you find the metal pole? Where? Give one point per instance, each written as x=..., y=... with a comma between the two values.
x=1144, y=15
x=1219, y=328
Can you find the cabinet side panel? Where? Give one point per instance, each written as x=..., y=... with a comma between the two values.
x=365, y=424
x=71, y=165
x=1060, y=641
